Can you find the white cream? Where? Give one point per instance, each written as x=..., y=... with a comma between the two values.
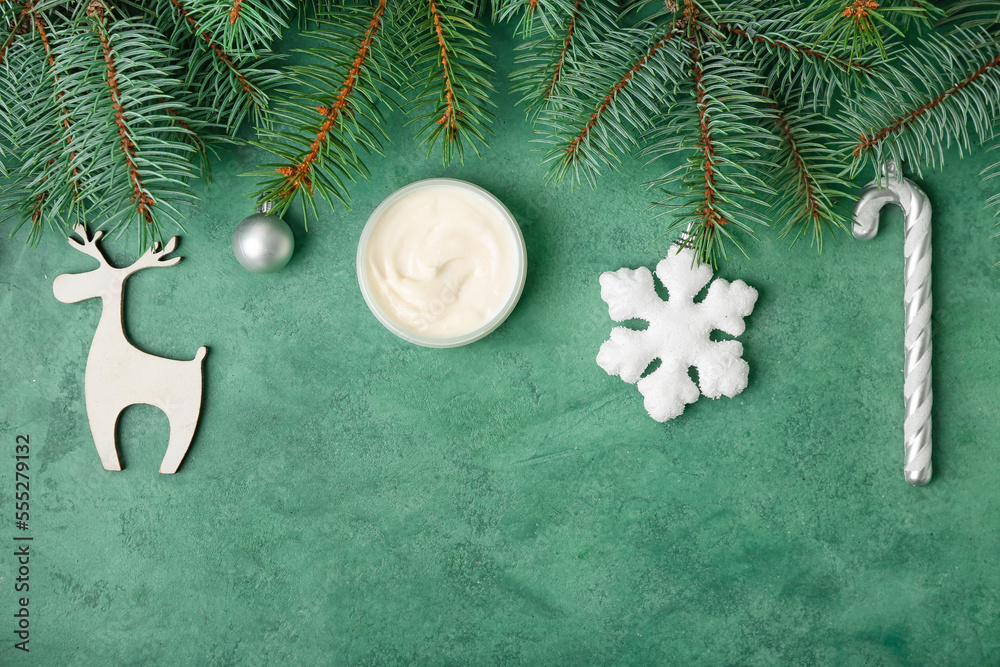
x=442, y=261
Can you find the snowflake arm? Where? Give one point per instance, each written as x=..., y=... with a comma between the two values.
x=682, y=279
x=722, y=370
x=728, y=303
x=629, y=293
x=627, y=354
x=667, y=390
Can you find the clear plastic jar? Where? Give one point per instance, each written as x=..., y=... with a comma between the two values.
x=395, y=324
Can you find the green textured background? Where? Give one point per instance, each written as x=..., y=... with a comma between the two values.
x=353, y=499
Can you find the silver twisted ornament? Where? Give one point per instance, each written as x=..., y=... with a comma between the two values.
x=892, y=188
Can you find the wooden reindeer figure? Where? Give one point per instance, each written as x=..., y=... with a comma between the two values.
x=118, y=374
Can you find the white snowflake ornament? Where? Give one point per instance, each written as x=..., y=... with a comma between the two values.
x=678, y=333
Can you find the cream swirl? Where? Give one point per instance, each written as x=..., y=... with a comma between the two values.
x=442, y=261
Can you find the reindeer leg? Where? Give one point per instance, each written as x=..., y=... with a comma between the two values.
x=183, y=416
x=183, y=422
x=102, y=426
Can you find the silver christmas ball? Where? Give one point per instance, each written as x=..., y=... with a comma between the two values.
x=263, y=243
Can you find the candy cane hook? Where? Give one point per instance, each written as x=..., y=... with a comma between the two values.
x=892, y=188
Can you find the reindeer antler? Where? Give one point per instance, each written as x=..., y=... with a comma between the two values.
x=156, y=256
x=89, y=244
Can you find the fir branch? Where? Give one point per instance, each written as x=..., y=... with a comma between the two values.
x=12, y=125
x=449, y=52
x=561, y=60
x=717, y=121
x=40, y=25
x=506, y=10
x=574, y=144
x=203, y=136
x=559, y=33
x=796, y=59
x=131, y=153
x=806, y=185
x=318, y=156
x=310, y=12
x=95, y=122
x=186, y=126
x=863, y=25
x=37, y=211
x=298, y=176
x=548, y=17
x=143, y=201
x=242, y=26
x=800, y=50
x=973, y=14
x=585, y=138
x=923, y=109
x=42, y=198
x=449, y=117
x=710, y=213
x=696, y=88
x=867, y=143
x=44, y=187
x=807, y=159
x=984, y=15
x=214, y=46
x=228, y=86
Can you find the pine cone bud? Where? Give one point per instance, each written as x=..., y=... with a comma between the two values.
x=96, y=9
x=21, y=28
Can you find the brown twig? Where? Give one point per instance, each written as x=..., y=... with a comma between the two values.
x=16, y=28
x=449, y=117
x=19, y=27
x=574, y=145
x=846, y=65
x=181, y=123
x=36, y=209
x=868, y=142
x=234, y=13
x=63, y=111
x=299, y=174
x=859, y=11
x=565, y=49
x=220, y=53
x=805, y=178
x=144, y=202
x=710, y=215
x=42, y=197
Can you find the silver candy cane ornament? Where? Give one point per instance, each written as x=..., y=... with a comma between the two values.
x=892, y=188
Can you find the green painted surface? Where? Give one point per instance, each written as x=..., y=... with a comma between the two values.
x=354, y=499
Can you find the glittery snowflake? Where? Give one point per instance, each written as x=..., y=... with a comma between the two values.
x=678, y=334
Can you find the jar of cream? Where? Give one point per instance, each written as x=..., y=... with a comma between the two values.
x=441, y=263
